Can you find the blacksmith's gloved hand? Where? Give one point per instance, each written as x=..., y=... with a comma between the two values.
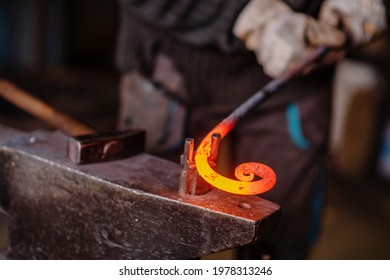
x=362, y=20
x=280, y=37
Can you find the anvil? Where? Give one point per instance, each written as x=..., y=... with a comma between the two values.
x=123, y=209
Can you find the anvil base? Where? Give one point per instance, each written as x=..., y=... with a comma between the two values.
x=124, y=209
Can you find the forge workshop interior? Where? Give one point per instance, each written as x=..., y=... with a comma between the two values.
x=106, y=196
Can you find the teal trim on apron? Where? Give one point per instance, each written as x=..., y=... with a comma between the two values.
x=295, y=128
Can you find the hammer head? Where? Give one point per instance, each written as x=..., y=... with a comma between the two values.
x=105, y=147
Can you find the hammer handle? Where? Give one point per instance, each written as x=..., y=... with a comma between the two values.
x=41, y=110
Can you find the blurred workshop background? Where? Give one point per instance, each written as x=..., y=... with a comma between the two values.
x=62, y=51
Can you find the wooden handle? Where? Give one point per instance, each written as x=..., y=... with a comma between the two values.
x=41, y=110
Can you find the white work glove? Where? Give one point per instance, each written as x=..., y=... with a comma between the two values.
x=361, y=20
x=280, y=37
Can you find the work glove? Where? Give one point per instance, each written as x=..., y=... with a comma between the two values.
x=280, y=37
x=361, y=20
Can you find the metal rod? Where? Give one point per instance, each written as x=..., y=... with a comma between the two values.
x=215, y=142
x=187, y=184
x=188, y=180
x=274, y=86
x=188, y=153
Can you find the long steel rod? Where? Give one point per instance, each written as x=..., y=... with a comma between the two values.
x=274, y=86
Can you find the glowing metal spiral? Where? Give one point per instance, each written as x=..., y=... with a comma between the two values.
x=245, y=172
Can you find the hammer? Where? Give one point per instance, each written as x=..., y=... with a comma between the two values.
x=85, y=145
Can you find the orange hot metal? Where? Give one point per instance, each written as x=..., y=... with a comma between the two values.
x=245, y=173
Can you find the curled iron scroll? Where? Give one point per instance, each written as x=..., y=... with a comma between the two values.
x=245, y=173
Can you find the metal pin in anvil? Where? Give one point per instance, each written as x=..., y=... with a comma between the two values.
x=189, y=174
x=85, y=145
x=190, y=182
x=215, y=142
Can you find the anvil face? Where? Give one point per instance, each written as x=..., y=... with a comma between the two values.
x=124, y=209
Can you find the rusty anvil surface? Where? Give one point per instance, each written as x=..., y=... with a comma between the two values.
x=124, y=209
